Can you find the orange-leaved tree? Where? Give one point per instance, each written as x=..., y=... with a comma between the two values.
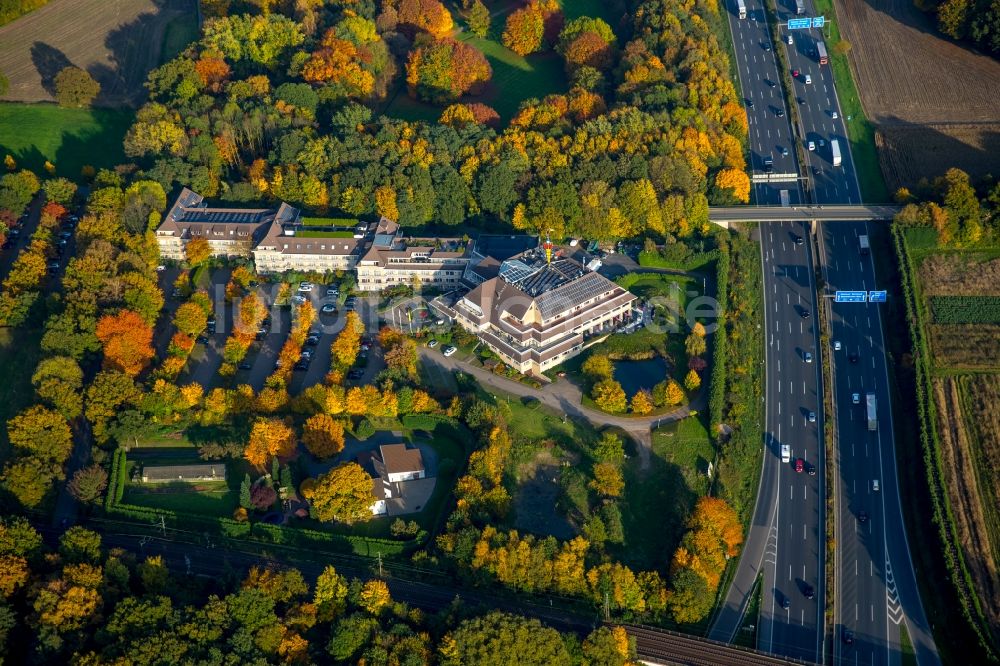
x=269, y=438
x=323, y=435
x=126, y=339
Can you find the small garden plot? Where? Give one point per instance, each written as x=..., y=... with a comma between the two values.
x=210, y=498
x=965, y=309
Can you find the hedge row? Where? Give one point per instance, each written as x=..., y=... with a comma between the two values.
x=117, y=479
x=677, y=257
x=943, y=516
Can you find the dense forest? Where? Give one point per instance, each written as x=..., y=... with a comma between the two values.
x=82, y=603
x=284, y=104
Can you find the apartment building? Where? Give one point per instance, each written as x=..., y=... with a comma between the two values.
x=540, y=308
x=230, y=232
x=391, y=260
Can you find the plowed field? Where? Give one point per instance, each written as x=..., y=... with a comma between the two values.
x=117, y=41
x=935, y=103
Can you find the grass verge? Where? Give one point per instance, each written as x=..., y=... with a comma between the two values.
x=860, y=130
x=747, y=634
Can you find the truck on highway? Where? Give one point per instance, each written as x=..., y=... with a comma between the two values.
x=768, y=164
x=863, y=244
x=872, y=413
x=800, y=7
x=821, y=53
x=835, y=152
x=741, y=8
x=785, y=199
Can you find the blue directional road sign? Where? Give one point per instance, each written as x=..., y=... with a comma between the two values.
x=876, y=297
x=818, y=21
x=850, y=296
x=799, y=23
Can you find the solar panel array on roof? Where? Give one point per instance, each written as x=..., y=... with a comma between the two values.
x=515, y=270
x=572, y=294
x=553, y=275
x=217, y=216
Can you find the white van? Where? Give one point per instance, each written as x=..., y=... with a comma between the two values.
x=875, y=485
x=786, y=453
x=809, y=79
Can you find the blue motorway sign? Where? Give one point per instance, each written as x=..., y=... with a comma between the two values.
x=818, y=21
x=850, y=296
x=876, y=297
x=799, y=23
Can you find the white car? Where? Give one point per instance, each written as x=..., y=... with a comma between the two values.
x=836, y=345
x=790, y=40
x=305, y=286
x=856, y=398
x=809, y=79
x=812, y=146
x=835, y=115
x=161, y=268
x=812, y=417
x=432, y=344
x=875, y=485
x=809, y=357
x=449, y=350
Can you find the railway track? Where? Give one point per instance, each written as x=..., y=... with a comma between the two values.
x=659, y=646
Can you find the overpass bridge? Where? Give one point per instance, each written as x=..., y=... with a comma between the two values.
x=803, y=213
x=660, y=647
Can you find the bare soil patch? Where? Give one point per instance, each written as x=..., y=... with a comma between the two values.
x=960, y=467
x=925, y=94
x=116, y=41
x=966, y=346
x=960, y=274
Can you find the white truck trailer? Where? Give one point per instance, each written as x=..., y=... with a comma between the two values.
x=835, y=152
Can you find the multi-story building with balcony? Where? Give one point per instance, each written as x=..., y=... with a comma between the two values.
x=540, y=308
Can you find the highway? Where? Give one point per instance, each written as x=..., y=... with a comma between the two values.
x=876, y=586
x=764, y=99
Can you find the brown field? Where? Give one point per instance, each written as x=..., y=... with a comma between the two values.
x=908, y=153
x=927, y=95
x=959, y=274
x=960, y=466
x=117, y=41
x=965, y=346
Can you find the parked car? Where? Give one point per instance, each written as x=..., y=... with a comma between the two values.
x=305, y=286
x=449, y=350
x=332, y=292
x=329, y=308
x=245, y=365
x=355, y=374
x=432, y=344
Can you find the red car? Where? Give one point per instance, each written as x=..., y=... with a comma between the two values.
x=800, y=464
x=795, y=73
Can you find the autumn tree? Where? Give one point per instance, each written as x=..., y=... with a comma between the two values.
x=424, y=15
x=347, y=345
x=524, y=30
x=734, y=184
x=375, y=596
x=75, y=87
x=695, y=344
x=444, y=70
x=58, y=380
x=88, y=484
x=500, y=638
x=692, y=381
x=610, y=396
x=330, y=596
x=340, y=62
x=323, y=435
x=197, y=251
x=343, y=494
x=479, y=19
x=127, y=342
x=642, y=402
x=190, y=319
x=608, y=480
x=269, y=438
x=598, y=367
x=41, y=432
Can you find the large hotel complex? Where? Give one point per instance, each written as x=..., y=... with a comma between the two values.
x=532, y=305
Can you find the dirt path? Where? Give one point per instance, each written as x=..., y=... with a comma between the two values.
x=566, y=397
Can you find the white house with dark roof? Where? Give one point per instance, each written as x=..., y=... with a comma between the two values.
x=536, y=313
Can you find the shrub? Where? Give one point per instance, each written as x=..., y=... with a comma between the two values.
x=364, y=430
x=75, y=87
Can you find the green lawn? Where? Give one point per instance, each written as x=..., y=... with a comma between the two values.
x=860, y=130
x=668, y=490
x=69, y=138
x=207, y=498
x=604, y=9
x=329, y=221
x=18, y=359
